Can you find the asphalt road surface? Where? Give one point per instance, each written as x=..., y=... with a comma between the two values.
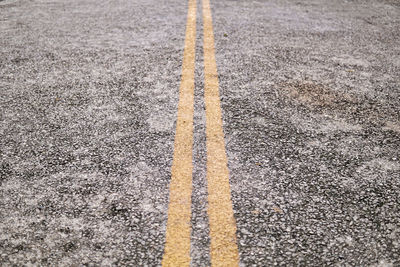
x=221, y=133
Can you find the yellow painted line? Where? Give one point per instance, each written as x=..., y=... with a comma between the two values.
x=177, y=246
x=224, y=251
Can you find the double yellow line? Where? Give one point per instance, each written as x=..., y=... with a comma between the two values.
x=224, y=251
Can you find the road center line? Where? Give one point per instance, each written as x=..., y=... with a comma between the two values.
x=177, y=246
x=224, y=251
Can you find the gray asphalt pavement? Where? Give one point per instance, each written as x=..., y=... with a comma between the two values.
x=310, y=94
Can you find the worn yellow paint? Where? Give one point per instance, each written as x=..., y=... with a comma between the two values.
x=177, y=246
x=224, y=251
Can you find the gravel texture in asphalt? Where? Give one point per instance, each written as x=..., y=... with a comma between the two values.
x=312, y=106
x=310, y=94
x=88, y=102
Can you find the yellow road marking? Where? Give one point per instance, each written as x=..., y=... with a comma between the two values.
x=177, y=246
x=224, y=251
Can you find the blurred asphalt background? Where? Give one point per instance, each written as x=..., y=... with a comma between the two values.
x=310, y=95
